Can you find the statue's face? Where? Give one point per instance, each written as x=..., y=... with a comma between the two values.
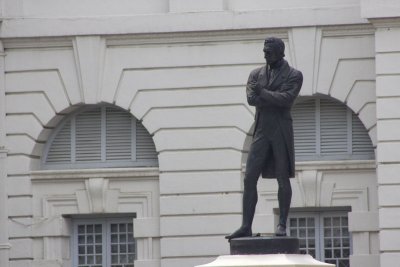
x=271, y=54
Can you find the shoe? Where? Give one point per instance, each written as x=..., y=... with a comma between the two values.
x=241, y=232
x=280, y=230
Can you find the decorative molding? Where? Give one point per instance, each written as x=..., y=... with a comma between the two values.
x=348, y=30
x=385, y=22
x=151, y=39
x=59, y=205
x=89, y=54
x=49, y=42
x=144, y=200
x=336, y=165
x=305, y=46
x=308, y=187
x=97, y=198
x=52, y=176
x=195, y=37
x=357, y=198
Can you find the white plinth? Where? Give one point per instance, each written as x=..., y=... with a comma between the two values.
x=269, y=260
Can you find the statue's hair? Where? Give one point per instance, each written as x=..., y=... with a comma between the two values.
x=277, y=43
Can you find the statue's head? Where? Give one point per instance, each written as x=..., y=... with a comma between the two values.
x=274, y=50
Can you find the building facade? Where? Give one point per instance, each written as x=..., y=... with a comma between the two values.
x=125, y=119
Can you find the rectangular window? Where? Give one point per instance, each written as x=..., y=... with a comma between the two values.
x=103, y=242
x=323, y=235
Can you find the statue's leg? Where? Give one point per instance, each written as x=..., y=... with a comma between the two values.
x=255, y=161
x=282, y=171
x=284, y=198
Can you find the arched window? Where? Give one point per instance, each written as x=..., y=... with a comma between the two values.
x=100, y=136
x=325, y=129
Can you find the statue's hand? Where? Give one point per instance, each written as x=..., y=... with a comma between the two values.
x=257, y=89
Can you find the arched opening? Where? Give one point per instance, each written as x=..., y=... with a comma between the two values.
x=325, y=129
x=98, y=137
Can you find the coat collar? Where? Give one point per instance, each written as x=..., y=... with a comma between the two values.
x=280, y=76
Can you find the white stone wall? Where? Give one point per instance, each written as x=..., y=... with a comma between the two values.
x=181, y=67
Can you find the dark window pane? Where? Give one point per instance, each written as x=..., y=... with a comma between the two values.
x=99, y=259
x=328, y=253
x=122, y=227
x=327, y=232
x=89, y=228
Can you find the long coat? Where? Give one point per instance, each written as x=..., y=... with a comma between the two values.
x=273, y=98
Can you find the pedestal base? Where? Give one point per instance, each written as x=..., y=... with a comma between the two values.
x=264, y=245
x=271, y=260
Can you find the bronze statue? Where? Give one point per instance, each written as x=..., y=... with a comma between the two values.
x=272, y=89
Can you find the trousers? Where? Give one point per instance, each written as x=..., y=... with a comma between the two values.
x=262, y=146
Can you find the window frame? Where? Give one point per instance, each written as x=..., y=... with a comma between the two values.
x=319, y=228
x=106, y=233
x=103, y=163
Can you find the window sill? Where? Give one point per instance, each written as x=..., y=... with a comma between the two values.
x=336, y=165
x=83, y=174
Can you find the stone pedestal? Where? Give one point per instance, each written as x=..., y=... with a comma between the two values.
x=269, y=260
x=264, y=245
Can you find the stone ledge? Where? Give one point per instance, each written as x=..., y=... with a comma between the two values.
x=271, y=260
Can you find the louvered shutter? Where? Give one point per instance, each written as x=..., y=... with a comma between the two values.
x=334, y=134
x=145, y=149
x=60, y=150
x=361, y=143
x=101, y=137
x=304, y=127
x=328, y=130
x=118, y=134
x=88, y=136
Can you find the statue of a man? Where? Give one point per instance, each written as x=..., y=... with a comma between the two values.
x=272, y=89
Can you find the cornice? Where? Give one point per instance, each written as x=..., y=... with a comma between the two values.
x=348, y=30
x=195, y=37
x=48, y=42
x=385, y=22
x=181, y=22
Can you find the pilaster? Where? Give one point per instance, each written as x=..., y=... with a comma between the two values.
x=387, y=54
x=4, y=245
